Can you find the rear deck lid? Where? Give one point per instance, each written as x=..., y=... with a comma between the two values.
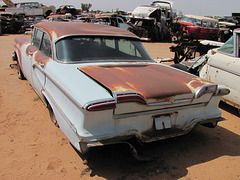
x=155, y=82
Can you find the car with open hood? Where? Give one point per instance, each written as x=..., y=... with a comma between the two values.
x=101, y=86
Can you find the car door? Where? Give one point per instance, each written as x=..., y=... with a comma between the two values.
x=122, y=24
x=38, y=65
x=223, y=68
x=28, y=54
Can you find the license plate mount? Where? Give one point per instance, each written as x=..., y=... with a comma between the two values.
x=162, y=122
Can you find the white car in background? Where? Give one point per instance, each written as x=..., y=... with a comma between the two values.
x=223, y=67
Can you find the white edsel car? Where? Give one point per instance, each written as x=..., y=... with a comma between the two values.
x=101, y=86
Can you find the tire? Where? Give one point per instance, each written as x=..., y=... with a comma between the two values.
x=181, y=67
x=52, y=116
x=20, y=73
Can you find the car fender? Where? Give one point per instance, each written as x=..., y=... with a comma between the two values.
x=64, y=123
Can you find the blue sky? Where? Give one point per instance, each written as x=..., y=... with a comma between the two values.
x=196, y=7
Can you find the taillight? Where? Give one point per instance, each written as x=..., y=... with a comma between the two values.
x=101, y=106
x=221, y=91
x=206, y=89
x=122, y=98
x=111, y=103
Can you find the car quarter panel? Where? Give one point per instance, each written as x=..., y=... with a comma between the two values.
x=224, y=69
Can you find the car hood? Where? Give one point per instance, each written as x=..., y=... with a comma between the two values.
x=183, y=23
x=155, y=82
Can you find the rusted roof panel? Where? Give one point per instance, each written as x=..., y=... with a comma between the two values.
x=151, y=80
x=59, y=29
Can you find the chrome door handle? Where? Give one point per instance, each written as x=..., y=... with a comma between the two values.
x=41, y=64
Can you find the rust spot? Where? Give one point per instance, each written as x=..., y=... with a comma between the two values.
x=40, y=58
x=22, y=40
x=31, y=49
x=153, y=81
x=18, y=43
x=198, y=82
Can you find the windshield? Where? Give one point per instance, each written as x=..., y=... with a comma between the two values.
x=75, y=49
x=191, y=20
x=228, y=47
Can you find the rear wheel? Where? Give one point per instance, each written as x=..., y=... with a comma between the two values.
x=52, y=116
x=20, y=73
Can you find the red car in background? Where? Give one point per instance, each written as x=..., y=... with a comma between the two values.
x=197, y=27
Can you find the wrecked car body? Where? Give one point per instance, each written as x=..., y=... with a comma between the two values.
x=64, y=9
x=184, y=51
x=145, y=28
x=114, y=94
x=112, y=20
x=220, y=66
x=226, y=30
x=152, y=22
x=11, y=22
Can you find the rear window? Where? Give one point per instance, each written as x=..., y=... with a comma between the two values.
x=77, y=49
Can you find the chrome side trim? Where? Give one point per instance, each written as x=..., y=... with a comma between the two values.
x=156, y=111
x=224, y=69
x=171, y=101
x=98, y=102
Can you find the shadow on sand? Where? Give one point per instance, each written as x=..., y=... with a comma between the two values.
x=171, y=157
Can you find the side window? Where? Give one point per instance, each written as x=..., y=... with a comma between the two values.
x=198, y=22
x=204, y=24
x=120, y=20
x=37, y=37
x=228, y=47
x=128, y=48
x=45, y=47
x=110, y=43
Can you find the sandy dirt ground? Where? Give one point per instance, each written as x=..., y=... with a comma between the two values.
x=33, y=148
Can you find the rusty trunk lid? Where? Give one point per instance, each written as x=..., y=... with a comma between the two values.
x=155, y=82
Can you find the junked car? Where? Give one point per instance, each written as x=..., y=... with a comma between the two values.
x=101, y=86
x=221, y=66
x=11, y=22
x=196, y=27
x=152, y=23
x=113, y=21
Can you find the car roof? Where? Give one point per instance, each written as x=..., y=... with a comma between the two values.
x=201, y=17
x=58, y=30
x=237, y=30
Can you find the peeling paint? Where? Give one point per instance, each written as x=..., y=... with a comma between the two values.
x=152, y=81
